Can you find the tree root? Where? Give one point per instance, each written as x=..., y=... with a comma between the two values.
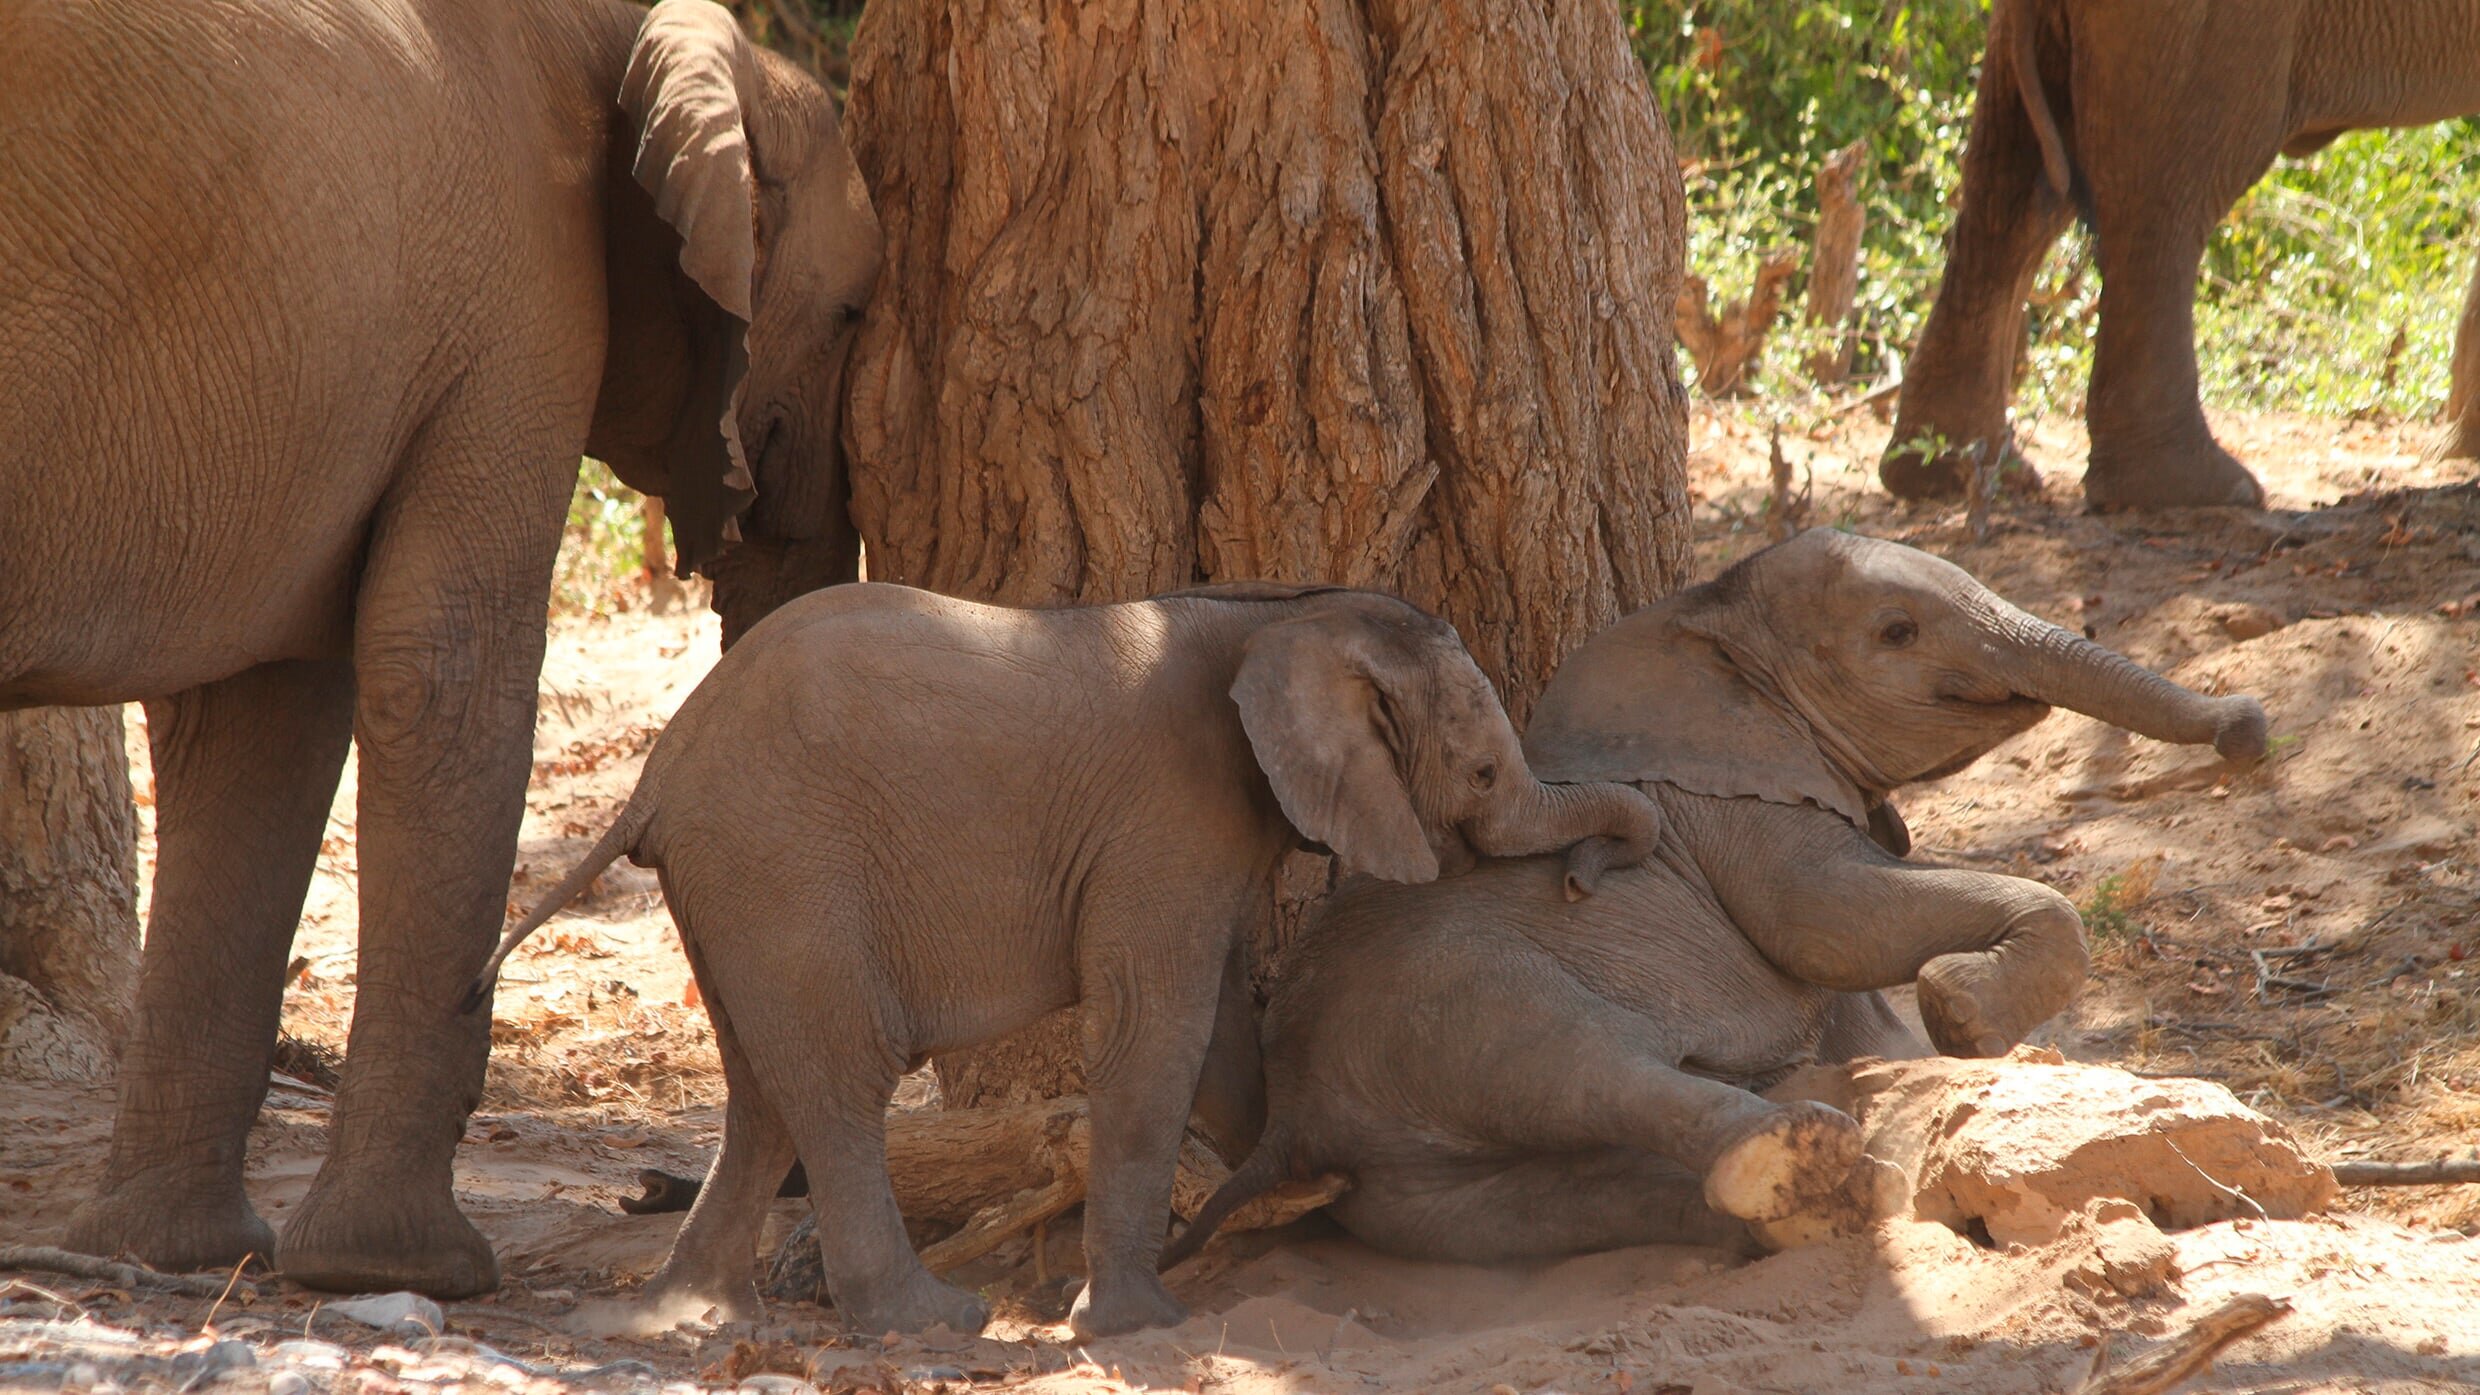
x=47, y=1260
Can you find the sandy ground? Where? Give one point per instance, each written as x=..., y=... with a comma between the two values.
x=2298, y=932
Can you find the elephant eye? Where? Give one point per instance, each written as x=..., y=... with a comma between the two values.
x=1485, y=775
x=1897, y=633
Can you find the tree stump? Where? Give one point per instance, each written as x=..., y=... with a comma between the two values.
x=1728, y=345
x=1293, y=289
x=68, y=892
x=1834, y=262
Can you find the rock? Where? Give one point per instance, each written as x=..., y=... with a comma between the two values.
x=402, y=1313
x=288, y=1383
x=192, y=1369
x=2130, y=1256
x=2017, y=1149
x=2243, y=620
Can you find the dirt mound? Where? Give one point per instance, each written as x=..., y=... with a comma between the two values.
x=2013, y=1151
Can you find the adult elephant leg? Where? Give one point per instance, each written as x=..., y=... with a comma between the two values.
x=2162, y=177
x=1961, y=377
x=244, y=772
x=1537, y=1207
x=447, y=652
x=2150, y=445
x=2462, y=435
x=1149, y=991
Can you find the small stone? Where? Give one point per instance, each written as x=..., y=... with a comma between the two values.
x=288, y=1383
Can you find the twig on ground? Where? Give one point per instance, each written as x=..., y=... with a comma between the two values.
x=55, y=1261
x=2190, y=1353
x=2218, y=1184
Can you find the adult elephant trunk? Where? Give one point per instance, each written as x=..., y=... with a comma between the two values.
x=759, y=574
x=2067, y=670
x=1607, y=825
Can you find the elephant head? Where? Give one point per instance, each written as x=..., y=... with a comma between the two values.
x=1383, y=742
x=741, y=250
x=1831, y=669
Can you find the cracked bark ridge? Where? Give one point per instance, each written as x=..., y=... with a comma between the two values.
x=68, y=892
x=1372, y=293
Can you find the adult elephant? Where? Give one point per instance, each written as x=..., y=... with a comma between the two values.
x=1504, y=1074
x=2152, y=117
x=309, y=311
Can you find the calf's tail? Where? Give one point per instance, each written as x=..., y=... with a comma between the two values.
x=618, y=841
x=1257, y=1174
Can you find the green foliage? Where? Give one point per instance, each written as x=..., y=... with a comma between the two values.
x=605, y=541
x=2109, y=912
x=1759, y=92
x=2305, y=288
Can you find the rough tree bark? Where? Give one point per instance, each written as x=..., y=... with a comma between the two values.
x=1375, y=293
x=68, y=892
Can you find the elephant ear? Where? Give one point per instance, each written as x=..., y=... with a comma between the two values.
x=1658, y=696
x=690, y=80
x=1330, y=736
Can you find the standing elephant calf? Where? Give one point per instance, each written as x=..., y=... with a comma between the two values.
x=891, y=824
x=1505, y=1074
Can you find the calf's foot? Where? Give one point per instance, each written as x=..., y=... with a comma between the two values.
x=1122, y=1303
x=1788, y=1161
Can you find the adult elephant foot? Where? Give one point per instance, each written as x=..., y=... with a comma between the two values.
x=1800, y=1177
x=362, y=1236
x=171, y=1229
x=2194, y=474
x=1913, y=470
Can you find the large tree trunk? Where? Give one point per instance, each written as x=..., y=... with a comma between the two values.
x=1375, y=293
x=68, y=892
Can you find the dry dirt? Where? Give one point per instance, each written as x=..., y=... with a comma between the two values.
x=2298, y=932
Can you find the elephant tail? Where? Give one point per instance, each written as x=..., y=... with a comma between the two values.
x=2022, y=21
x=620, y=840
x=1261, y=1171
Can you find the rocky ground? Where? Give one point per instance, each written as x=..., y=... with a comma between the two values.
x=2298, y=933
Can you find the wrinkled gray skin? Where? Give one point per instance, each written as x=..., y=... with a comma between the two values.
x=308, y=311
x=2152, y=117
x=1503, y=1073
x=891, y=824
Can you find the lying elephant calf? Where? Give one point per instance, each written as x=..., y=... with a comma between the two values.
x=1504, y=1073
x=891, y=824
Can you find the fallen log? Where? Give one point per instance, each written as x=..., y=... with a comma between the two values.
x=996, y=1173
x=2434, y=1172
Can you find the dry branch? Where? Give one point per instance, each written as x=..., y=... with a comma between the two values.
x=1728, y=346
x=2190, y=1353
x=2434, y=1172
x=45, y=1259
x=1834, y=261
x=1002, y=1171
